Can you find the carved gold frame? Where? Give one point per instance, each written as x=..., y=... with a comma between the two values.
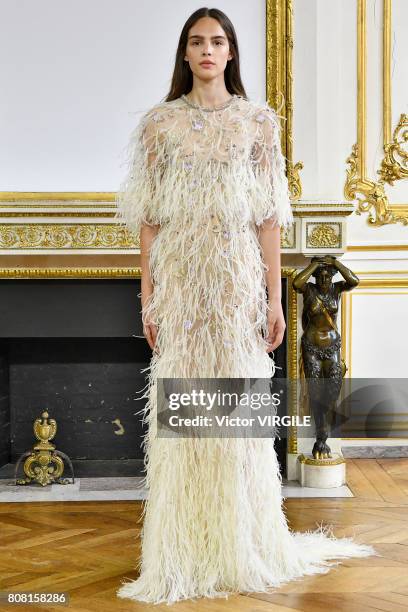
x=279, y=80
x=370, y=193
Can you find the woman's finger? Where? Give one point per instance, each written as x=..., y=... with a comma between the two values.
x=148, y=335
x=277, y=341
x=276, y=333
x=151, y=336
x=154, y=338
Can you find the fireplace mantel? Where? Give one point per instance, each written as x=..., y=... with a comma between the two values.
x=83, y=226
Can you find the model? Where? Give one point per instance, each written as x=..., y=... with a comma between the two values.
x=207, y=190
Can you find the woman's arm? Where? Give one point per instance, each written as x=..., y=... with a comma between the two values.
x=147, y=234
x=272, y=212
x=269, y=240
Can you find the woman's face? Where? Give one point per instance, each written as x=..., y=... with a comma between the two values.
x=207, y=41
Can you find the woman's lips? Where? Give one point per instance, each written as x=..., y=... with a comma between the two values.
x=207, y=65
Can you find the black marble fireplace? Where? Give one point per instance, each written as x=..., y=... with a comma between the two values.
x=70, y=346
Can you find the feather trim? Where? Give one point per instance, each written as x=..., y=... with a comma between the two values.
x=175, y=155
x=270, y=195
x=214, y=522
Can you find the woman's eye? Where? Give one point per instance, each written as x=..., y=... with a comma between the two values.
x=196, y=42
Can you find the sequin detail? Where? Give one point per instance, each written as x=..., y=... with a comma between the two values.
x=260, y=118
x=188, y=164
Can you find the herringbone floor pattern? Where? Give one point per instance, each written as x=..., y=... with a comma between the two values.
x=87, y=548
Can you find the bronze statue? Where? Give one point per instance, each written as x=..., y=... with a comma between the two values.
x=321, y=341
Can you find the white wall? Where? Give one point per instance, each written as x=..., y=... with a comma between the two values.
x=325, y=90
x=324, y=94
x=74, y=74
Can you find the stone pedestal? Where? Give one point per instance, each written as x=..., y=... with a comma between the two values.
x=322, y=473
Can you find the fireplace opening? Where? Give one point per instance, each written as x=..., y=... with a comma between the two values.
x=75, y=348
x=89, y=386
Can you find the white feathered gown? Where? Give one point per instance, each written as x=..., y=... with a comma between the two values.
x=213, y=523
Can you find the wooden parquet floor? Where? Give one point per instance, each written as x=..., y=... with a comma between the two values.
x=87, y=548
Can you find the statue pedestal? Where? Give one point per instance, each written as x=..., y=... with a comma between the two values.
x=322, y=473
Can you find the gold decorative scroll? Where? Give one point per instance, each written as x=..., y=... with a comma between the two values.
x=65, y=236
x=370, y=193
x=279, y=79
x=394, y=166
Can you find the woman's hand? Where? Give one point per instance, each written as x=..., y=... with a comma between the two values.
x=147, y=235
x=276, y=325
x=150, y=333
x=149, y=328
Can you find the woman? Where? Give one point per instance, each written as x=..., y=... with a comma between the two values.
x=207, y=189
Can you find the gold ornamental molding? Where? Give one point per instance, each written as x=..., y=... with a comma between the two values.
x=375, y=272
x=61, y=221
x=279, y=80
x=44, y=273
x=42, y=204
x=375, y=247
x=323, y=235
x=84, y=236
x=381, y=283
x=57, y=196
x=310, y=461
x=394, y=166
x=370, y=193
x=51, y=214
x=292, y=353
x=68, y=236
x=65, y=224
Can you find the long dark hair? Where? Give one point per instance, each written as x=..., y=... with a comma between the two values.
x=182, y=80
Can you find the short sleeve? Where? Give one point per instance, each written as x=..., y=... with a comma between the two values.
x=271, y=200
x=139, y=193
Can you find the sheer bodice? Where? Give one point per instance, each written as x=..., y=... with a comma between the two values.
x=186, y=164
